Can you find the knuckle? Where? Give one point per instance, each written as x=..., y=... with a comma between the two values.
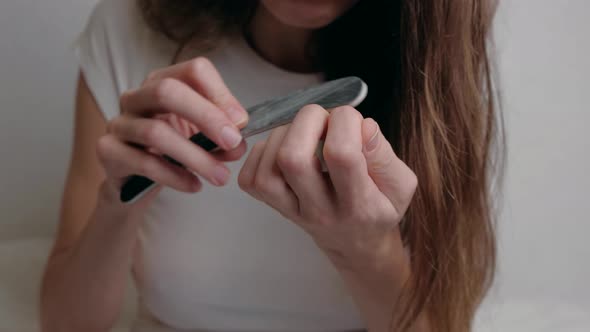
x=103, y=147
x=290, y=161
x=164, y=90
x=347, y=110
x=153, y=75
x=342, y=155
x=153, y=132
x=198, y=66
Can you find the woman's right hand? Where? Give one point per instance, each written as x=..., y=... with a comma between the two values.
x=171, y=105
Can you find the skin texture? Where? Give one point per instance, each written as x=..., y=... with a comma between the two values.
x=307, y=14
x=281, y=29
x=352, y=212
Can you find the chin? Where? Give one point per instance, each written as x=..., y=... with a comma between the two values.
x=307, y=14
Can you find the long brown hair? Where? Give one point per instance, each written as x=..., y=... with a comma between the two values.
x=428, y=68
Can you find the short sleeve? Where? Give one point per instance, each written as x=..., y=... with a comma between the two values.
x=117, y=50
x=93, y=49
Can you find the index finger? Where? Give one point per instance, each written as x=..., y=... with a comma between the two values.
x=202, y=76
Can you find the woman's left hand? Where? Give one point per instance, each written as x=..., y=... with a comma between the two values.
x=352, y=211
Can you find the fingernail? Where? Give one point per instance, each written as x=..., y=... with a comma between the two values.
x=372, y=143
x=231, y=137
x=220, y=175
x=236, y=115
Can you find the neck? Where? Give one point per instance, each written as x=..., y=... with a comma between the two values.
x=282, y=45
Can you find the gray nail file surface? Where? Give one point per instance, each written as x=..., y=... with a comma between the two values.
x=266, y=116
x=280, y=111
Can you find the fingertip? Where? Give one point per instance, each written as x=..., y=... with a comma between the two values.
x=230, y=137
x=238, y=116
x=370, y=133
x=220, y=176
x=242, y=148
x=232, y=155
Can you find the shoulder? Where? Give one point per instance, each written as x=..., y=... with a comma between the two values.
x=114, y=19
x=117, y=32
x=116, y=50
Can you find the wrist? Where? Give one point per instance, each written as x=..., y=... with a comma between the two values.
x=110, y=209
x=382, y=254
x=376, y=280
x=385, y=271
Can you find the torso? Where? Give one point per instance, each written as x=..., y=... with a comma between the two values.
x=219, y=260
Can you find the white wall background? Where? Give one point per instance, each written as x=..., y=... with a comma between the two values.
x=37, y=77
x=544, y=54
x=544, y=58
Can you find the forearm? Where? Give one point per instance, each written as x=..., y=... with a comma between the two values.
x=376, y=285
x=377, y=299
x=84, y=286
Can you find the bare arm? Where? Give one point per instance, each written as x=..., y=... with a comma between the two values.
x=86, y=274
x=377, y=288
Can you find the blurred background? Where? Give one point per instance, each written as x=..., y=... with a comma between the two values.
x=543, y=56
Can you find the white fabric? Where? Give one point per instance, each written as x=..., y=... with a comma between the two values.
x=219, y=259
x=21, y=267
x=22, y=261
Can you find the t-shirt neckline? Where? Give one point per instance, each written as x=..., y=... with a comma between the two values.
x=262, y=63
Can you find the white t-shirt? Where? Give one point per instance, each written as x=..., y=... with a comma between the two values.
x=216, y=260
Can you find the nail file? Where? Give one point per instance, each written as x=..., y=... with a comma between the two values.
x=266, y=116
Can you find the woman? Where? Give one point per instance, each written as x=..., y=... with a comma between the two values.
x=283, y=248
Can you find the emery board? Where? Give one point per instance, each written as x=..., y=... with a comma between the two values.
x=266, y=116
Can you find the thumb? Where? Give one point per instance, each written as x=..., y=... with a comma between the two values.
x=391, y=175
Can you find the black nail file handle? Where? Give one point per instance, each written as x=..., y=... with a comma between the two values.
x=137, y=185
